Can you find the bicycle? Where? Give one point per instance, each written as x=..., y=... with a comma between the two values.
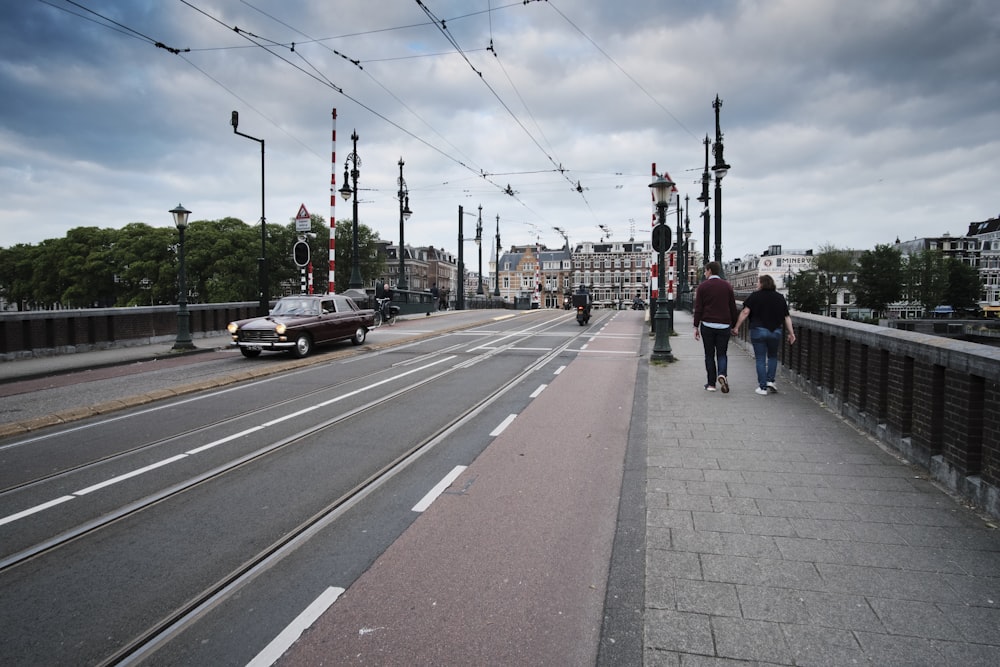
x=385, y=312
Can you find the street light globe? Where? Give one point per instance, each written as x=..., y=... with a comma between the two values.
x=720, y=171
x=346, y=191
x=662, y=190
x=180, y=216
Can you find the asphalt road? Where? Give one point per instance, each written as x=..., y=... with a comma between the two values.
x=194, y=527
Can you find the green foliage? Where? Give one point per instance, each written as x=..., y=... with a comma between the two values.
x=879, y=278
x=371, y=263
x=964, y=285
x=806, y=294
x=925, y=279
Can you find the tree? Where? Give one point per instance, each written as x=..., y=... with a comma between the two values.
x=833, y=266
x=15, y=274
x=806, y=294
x=879, y=278
x=372, y=263
x=965, y=285
x=145, y=261
x=925, y=279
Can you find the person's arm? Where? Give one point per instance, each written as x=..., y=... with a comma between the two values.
x=744, y=314
x=791, y=331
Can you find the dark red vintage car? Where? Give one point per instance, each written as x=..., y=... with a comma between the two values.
x=299, y=323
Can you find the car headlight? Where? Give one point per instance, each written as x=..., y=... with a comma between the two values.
x=280, y=328
x=232, y=327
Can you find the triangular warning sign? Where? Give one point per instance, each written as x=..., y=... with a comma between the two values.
x=303, y=213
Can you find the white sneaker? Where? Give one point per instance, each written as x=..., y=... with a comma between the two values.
x=709, y=387
x=771, y=388
x=762, y=392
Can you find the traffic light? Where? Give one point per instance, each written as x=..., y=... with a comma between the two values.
x=300, y=253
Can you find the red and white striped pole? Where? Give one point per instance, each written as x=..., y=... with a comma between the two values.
x=333, y=205
x=653, y=264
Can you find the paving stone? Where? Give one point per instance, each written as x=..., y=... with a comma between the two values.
x=781, y=605
x=822, y=647
x=751, y=640
x=677, y=631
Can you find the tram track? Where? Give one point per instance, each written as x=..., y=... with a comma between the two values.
x=173, y=624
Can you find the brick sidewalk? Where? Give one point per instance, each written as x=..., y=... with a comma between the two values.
x=778, y=534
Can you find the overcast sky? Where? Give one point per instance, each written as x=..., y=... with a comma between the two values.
x=846, y=122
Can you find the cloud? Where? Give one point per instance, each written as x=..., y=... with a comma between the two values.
x=847, y=123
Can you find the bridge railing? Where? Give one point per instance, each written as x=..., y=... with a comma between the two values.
x=934, y=400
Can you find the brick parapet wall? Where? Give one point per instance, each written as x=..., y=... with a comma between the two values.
x=934, y=400
x=44, y=333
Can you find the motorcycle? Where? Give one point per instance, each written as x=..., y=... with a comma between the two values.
x=582, y=304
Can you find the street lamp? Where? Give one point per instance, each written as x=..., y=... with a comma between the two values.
x=703, y=198
x=346, y=192
x=479, y=245
x=686, y=277
x=720, y=169
x=662, y=193
x=262, y=290
x=496, y=289
x=404, y=214
x=183, y=341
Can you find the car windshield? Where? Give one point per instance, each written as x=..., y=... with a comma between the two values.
x=294, y=307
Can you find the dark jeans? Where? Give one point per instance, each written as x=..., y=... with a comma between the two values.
x=765, y=351
x=716, y=342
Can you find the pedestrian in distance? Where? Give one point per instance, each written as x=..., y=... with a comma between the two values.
x=767, y=311
x=436, y=296
x=714, y=317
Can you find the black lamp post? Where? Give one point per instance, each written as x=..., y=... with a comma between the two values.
x=662, y=193
x=346, y=192
x=183, y=341
x=720, y=169
x=496, y=289
x=264, y=298
x=685, y=276
x=706, y=216
x=479, y=245
x=404, y=214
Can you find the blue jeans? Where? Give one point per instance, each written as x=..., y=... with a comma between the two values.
x=765, y=351
x=716, y=342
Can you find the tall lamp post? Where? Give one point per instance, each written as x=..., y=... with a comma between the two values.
x=703, y=198
x=346, y=192
x=685, y=276
x=479, y=245
x=496, y=289
x=662, y=193
x=404, y=214
x=183, y=341
x=720, y=169
x=262, y=293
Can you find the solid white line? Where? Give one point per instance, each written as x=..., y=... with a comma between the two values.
x=234, y=436
x=36, y=508
x=504, y=424
x=129, y=475
x=438, y=489
x=273, y=651
x=538, y=391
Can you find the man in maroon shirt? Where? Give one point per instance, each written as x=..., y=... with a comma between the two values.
x=714, y=317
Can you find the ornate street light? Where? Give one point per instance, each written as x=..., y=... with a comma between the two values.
x=662, y=193
x=479, y=245
x=496, y=288
x=404, y=214
x=346, y=192
x=183, y=341
x=720, y=169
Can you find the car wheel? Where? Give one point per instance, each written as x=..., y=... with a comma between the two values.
x=303, y=346
x=359, y=336
x=248, y=353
